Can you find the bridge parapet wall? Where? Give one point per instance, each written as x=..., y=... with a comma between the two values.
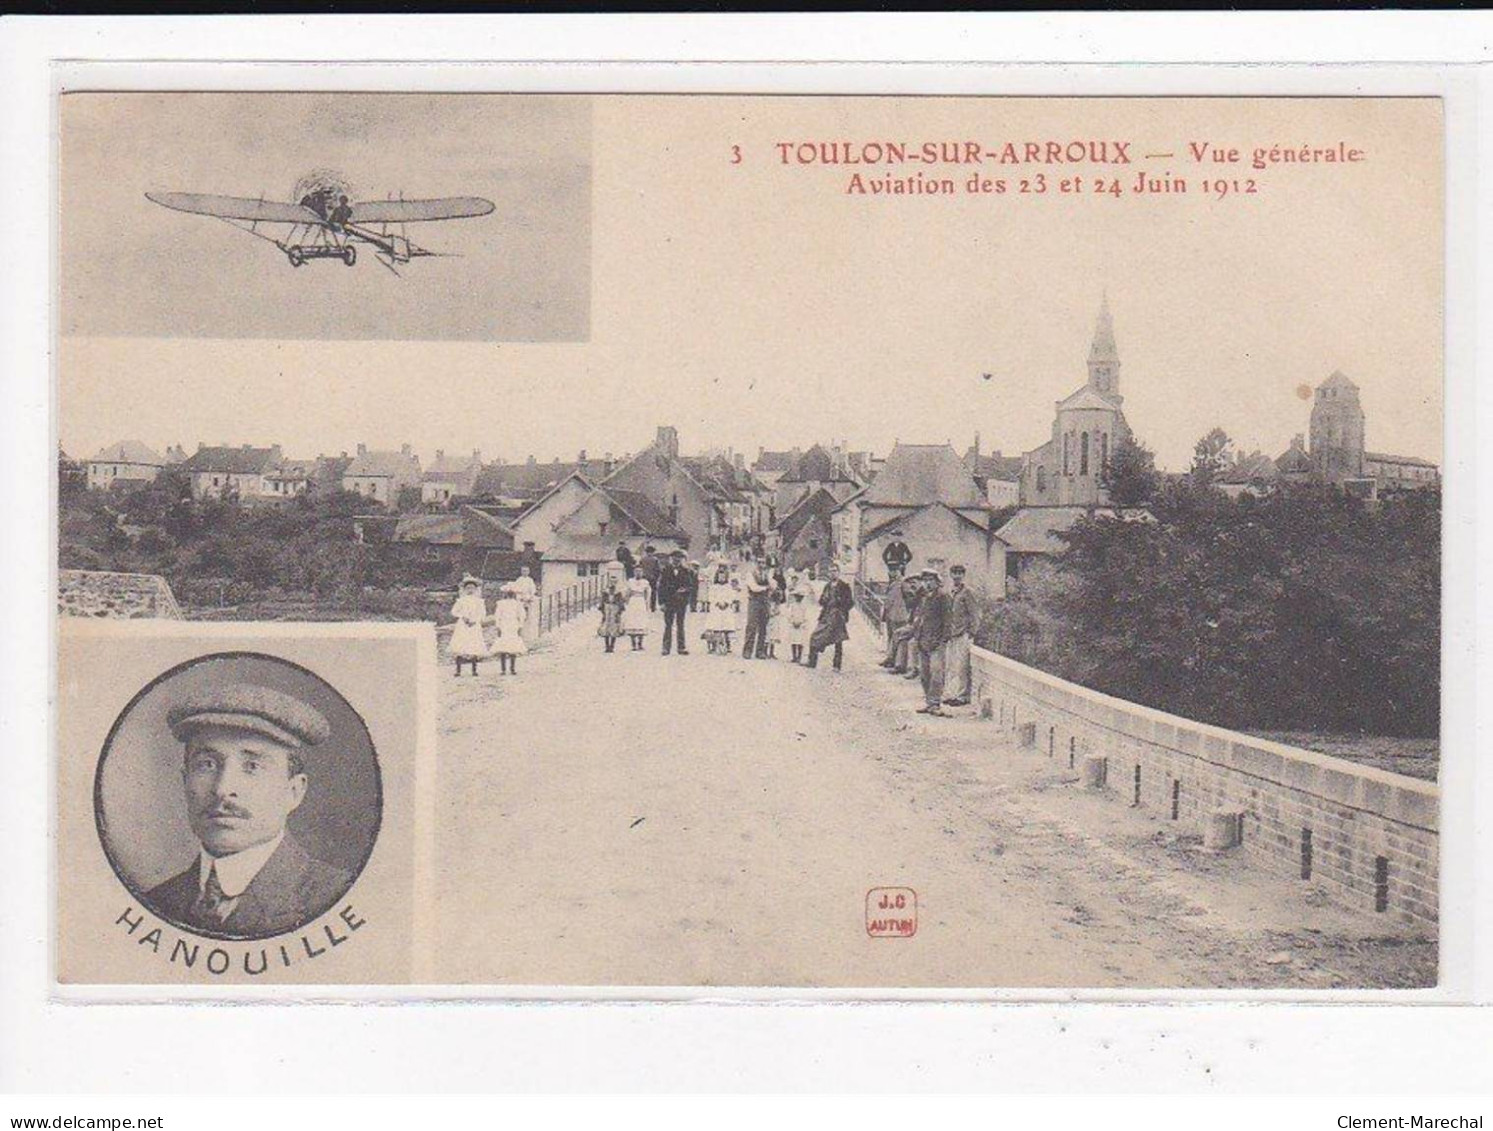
x=1371, y=838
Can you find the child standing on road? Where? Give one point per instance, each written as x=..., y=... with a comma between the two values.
x=508, y=620
x=720, y=620
x=612, y=604
x=470, y=610
x=797, y=615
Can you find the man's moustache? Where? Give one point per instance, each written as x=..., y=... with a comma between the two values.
x=225, y=810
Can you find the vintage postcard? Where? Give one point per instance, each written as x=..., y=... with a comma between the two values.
x=862, y=544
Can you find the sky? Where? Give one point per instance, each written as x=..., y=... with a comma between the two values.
x=755, y=303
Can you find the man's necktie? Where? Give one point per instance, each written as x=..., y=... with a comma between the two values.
x=210, y=908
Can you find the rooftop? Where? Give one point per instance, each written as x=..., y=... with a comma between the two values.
x=917, y=474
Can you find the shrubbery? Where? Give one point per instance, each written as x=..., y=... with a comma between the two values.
x=1304, y=610
x=216, y=554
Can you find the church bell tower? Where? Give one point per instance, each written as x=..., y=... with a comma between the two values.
x=1104, y=358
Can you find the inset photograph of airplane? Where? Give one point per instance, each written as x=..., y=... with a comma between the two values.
x=320, y=222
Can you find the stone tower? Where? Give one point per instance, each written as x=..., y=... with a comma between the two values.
x=1337, y=430
x=1104, y=358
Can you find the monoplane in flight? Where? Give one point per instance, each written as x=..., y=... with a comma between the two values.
x=322, y=224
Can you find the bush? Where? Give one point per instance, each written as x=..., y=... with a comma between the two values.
x=1305, y=610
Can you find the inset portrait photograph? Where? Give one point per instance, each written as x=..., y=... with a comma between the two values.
x=238, y=796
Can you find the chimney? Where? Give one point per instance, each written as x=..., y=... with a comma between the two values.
x=440, y=454
x=344, y=453
x=404, y=449
x=476, y=455
x=201, y=446
x=533, y=462
x=740, y=462
x=582, y=457
x=275, y=452
x=977, y=444
x=362, y=449
x=1298, y=442
x=667, y=441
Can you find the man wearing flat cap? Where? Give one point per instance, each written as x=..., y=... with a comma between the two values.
x=244, y=773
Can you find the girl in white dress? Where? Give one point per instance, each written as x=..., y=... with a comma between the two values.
x=508, y=620
x=720, y=618
x=635, y=616
x=800, y=614
x=470, y=610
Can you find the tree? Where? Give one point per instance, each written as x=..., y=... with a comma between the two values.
x=1130, y=476
x=1211, y=457
x=72, y=476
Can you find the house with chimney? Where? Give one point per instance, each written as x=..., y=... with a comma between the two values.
x=770, y=466
x=805, y=536
x=449, y=478
x=819, y=468
x=126, y=464
x=440, y=547
x=382, y=475
x=657, y=474
x=998, y=475
x=608, y=516
x=926, y=497
x=536, y=528
x=744, y=506
x=222, y=471
x=290, y=478
x=520, y=484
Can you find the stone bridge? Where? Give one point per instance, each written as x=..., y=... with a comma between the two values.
x=637, y=819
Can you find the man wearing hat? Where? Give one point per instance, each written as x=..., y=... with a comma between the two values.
x=933, y=626
x=244, y=773
x=963, y=617
x=895, y=613
x=676, y=590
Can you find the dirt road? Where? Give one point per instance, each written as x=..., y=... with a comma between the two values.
x=634, y=819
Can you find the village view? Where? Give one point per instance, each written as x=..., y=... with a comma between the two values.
x=1292, y=594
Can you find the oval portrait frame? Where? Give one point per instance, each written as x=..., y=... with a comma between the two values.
x=101, y=823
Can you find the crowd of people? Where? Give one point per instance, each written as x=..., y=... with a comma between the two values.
x=929, y=632
x=753, y=604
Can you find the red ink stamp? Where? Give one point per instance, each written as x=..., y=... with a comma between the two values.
x=891, y=913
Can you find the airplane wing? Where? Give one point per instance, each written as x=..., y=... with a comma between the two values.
x=236, y=208
x=408, y=211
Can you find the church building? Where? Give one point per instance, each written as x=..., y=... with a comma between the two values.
x=1068, y=470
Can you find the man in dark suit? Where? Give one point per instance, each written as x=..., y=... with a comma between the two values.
x=896, y=555
x=677, y=588
x=244, y=774
x=835, y=606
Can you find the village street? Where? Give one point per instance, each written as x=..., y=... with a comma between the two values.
x=635, y=820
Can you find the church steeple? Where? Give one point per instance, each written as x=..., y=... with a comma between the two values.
x=1104, y=358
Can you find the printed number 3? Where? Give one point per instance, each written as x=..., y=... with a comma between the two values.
x=736, y=155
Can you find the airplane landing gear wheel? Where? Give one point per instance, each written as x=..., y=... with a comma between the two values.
x=349, y=255
x=296, y=255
